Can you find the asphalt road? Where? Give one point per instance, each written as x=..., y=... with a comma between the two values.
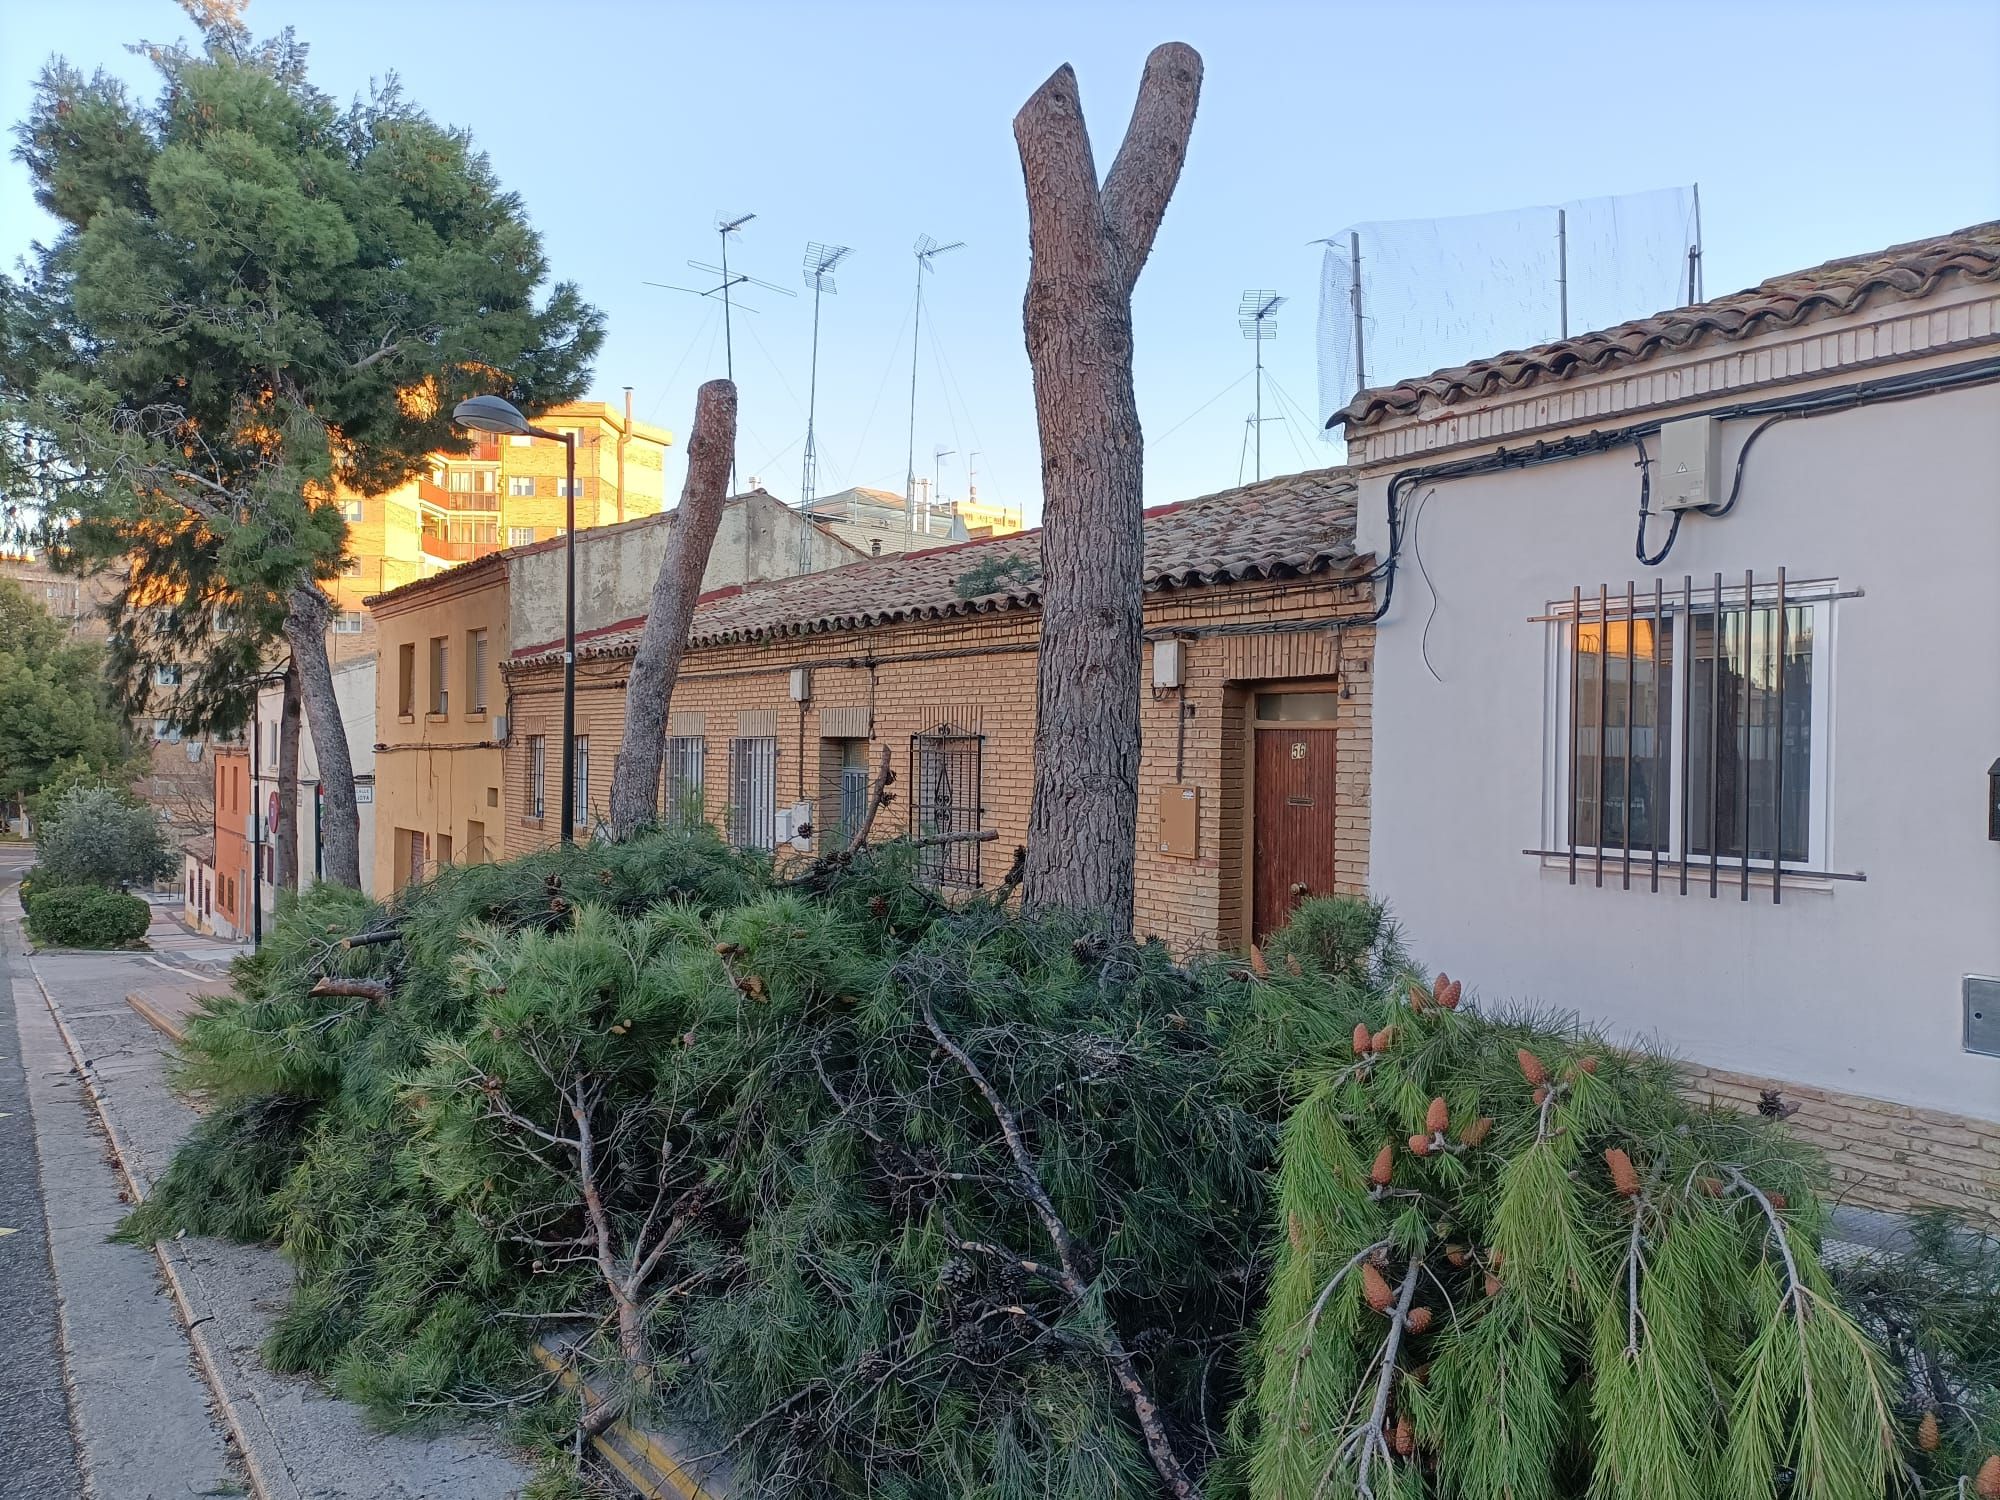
x=38, y=1459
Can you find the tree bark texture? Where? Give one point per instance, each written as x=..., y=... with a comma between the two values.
x=288, y=782
x=1087, y=248
x=635, y=780
x=340, y=824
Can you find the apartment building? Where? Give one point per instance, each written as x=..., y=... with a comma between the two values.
x=506, y=492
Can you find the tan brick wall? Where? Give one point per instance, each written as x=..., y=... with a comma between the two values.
x=1883, y=1155
x=979, y=673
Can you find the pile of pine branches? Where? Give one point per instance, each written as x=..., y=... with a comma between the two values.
x=892, y=1198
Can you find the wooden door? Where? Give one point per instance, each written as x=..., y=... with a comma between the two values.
x=1293, y=821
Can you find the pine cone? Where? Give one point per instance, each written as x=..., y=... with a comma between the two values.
x=1457, y=1255
x=1381, y=1040
x=1710, y=1185
x=1375, y=1289
x=1419, y=1320
x=1385, y=1166
x=1448, y=997
x=1293, y=967
x=878, y=907
x=1987, y=1485
x=1623, y=1177
x=1541, y=1097
x=1531, y=1067
x=1405, y=1439
x=1437, y=1119
x=1477, y=1131
x=1420, y=1145
x=1418, y=999
x=1363, y=1041
x=1257, y=965
x=1928, y=1436
x=1492, y=1285
x=1587, y=1064
x=1777, y=1201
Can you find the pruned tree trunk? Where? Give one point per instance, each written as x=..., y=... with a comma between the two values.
x=1087, y=249
x=635, y=780
x=288, y=782
x=340, y=822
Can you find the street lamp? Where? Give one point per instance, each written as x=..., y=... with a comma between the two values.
x=492, y=414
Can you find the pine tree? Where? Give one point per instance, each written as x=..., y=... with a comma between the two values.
x=254, y=297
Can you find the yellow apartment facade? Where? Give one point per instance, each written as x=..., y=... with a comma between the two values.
x=440, y=718
x=507, y=492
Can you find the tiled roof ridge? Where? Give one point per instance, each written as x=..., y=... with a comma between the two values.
x=1286, y=526
x=1903, y=272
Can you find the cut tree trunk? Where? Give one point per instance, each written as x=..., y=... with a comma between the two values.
x=635, y=780
x=1087, y=249
x=288, y=782
x=340, y=823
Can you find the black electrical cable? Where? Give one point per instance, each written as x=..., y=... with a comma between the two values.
x=1645, y=468
x=1742, y=454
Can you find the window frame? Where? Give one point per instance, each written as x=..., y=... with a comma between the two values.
x=1818, y=597
x=440, y=696
x=580, y=780
x=475, y=672
x=955, y=865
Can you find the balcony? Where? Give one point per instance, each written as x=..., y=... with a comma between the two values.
x=456, y=552
x=437, y=496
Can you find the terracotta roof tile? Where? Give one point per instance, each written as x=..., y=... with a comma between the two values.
x=1900, y=273
x=1288, y=527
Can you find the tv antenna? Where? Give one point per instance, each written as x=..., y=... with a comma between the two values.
x=1255, y=316
x=935, y=499
x=927, y=250
x=725, y=226
x=819, y=264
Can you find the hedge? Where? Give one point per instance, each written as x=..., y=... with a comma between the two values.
x=87, y=916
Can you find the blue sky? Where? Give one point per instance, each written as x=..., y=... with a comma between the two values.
x=1815, y=130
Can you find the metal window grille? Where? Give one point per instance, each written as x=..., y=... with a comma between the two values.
x=944, y=804
x=1687, y=740
x=475, y=662
x=538, y=773
x=581, y=790
x=853, y=798
x=686, y=755
x=753, y=793
x=440, y=674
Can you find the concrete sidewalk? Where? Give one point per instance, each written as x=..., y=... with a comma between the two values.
x=297, y=1442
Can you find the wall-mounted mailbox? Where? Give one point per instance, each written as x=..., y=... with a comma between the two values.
x=1982, y=1014
x=1180, y=820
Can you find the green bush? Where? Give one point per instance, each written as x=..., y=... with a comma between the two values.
x=97, y=835
x=87, y=916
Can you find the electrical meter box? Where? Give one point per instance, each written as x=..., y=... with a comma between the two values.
x=1684, y=478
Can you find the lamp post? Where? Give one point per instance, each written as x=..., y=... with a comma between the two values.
x=492, y=414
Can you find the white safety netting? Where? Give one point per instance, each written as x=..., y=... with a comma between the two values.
x=1434, y=293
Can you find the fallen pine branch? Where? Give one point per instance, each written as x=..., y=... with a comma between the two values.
x=353, y=989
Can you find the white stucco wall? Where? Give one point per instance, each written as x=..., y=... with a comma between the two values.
x=1846, y=986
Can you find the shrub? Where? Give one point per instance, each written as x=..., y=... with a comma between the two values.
x=87, y=916
x=94, y=835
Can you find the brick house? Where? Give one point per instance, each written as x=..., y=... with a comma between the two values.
x=228, y=912
x=1253, y=781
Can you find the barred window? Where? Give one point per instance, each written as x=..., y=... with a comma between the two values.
x=753, y=793
x=686, y=754
x=538, y=774
x=581, y=788
x=1692, y=732
x=944, y=804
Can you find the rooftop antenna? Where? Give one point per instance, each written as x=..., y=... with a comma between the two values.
x=819, y=264
x=725, y=226
x=926, y=250
x=935, y=499
x=1254, y=315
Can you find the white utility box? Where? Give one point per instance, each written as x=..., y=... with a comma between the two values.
x=1686, y=475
